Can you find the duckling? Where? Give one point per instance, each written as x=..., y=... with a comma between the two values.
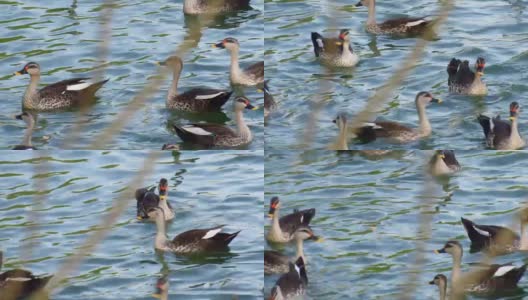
x=405, y=26
x=29, y=119
x=63, y=94
x=269, y=102
x=283, y=229
x=497, y=239
x=278, y=263
x=196, y=7
x=147, y=199
x=342, y=139
x=500, y=134
x=252, y=75
x=462, y=80
x=19, y=284
x=214, y=135
x=441, y=281
x=195, y=99
x=444, y=162
x=490, y=279
x=397, y=132
x=162, y=288
x=192, y=241
x=335, y=52
x=292, y=284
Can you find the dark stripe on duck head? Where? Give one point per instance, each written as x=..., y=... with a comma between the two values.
x=343, y=34
x=274, y=203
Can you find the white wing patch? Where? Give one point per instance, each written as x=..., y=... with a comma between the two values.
x=297, y=270
x=18, y=279
x=79, y=86
x=503, y=270
x=411, y=24
x=211, y=233
x=196, y=130
x=373, y=125
x=207, y=97
x=320, y=43
x=481, y=231
x=492, y=125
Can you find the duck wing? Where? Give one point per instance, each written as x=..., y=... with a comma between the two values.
x=413, y=24
x=290, y=223
x=501, y=131
x=464, y=75
x=149, y=201
x=256, y=71
x=381, y=129
x=452, y=69
x=484, y=235
x=498, y=277
x=450, y=159
x=203, y=133
x=326, y=45
x=205, y=98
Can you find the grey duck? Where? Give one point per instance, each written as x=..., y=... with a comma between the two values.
x=147, y=199
x=283, y=228
x=196, y=7
x=292, y=284
x=30, y=121
x=464, y=81
x=19, y=284
x=443, y=162
x=500, y=134
x=336, y=52
x=252, y=75
x=441, y=281
x=278, y=263
x=269, y=102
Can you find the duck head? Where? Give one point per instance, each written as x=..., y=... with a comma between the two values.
x=424, y=98
x=479, y=66
x=305, y=233
x=274, y=204
x=31, y=68
x=242, y=103
x=340, y=120
x=174, y=62
x=228, y=43
x=451, y=247
x=28, y=118
x=514, y=110
x=344, y=36
x=163, y=188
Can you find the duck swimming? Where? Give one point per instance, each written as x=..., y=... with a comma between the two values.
x=335, y=52
x=283, y=229
x=196, y=7
x=292, y=284
x=342, y=138
x=278, y=263
x=441, y=281
x=195, y=99
x=269, y=103
x=215, y=135
x=407, y=26
x=192, y=241
x=29, y=119
x=252, y=75
x=462, y=80
x=147, y=199
x=19, y=284
x=501, y=135
x=443, y=162
x=399, y=133
x=489, y=279
x=68, y=93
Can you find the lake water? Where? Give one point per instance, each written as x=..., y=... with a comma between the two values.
x=80, y=187
x=368, y=209
x=63, y=36
x=494, y=30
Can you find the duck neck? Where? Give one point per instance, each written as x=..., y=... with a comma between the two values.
x=371, y=13
x=243, y=130
x=514, y=135
x=275, y=226
x=173, y=90
x=164, y=295
x=300, y=249
x=455, y=271
x=161, y=237
x=342, y=138
x=442, y=288
x=425, y=126
x=524, y=238
x=32, y=89
x=346, y=47
x=235, y=68
x=29, y=133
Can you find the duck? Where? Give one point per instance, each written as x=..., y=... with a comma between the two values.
x=68, y=93
x=252, y=75
x=278, y=263
x=501, y=135
x=197, y=7
x=335, y=52
x=440, y=280
x=462, y=80
x=497, y=239
x=444, y=162
x=190, y=242
x=283, y=228
x=162, y=288
x=269, y=102
x=29, y=119
x=400, y=26
x=195, y=99
x=397, y=132
x=488, y=279
x=292, y=284
x=342, y=139
x=146, y=199
x=215, y=135
x=19, y=284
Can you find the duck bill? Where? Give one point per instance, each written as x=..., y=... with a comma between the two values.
x=18, y=117
x=21, y=72
x=317, y=239
x=439, y=251
x=436, y=100
x=219, y=45
x=431, y=282
x=359, y=4
x=160, y=63
x=251, y=107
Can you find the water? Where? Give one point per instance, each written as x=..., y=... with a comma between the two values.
x=494, y=30
x=80, y=187
x=367, y=211
x=63, y=36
